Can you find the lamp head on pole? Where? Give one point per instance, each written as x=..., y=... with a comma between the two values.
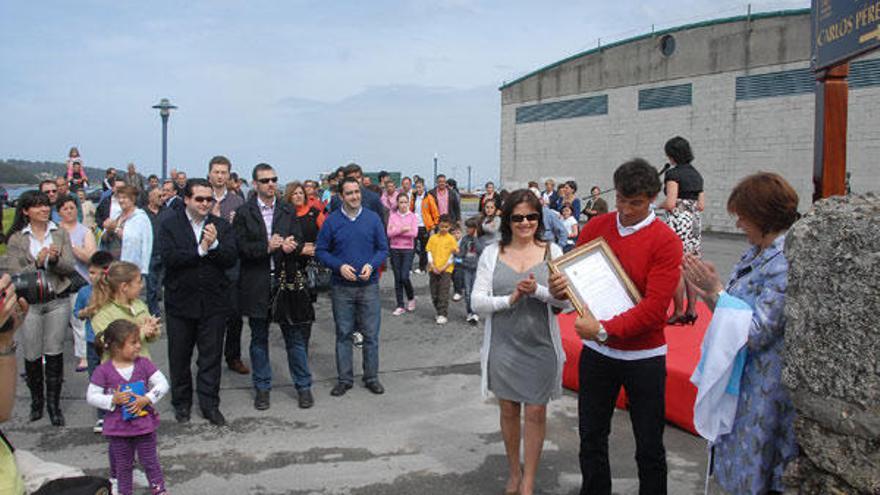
x=164, y=106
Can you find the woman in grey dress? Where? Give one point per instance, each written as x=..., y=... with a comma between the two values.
x=522, y=354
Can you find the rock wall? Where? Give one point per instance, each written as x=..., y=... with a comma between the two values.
x=832, y=357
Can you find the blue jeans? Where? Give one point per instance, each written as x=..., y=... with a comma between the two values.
x=458, y=279
x=401, y=264
x=296, y=342
x=357, y=308
x=469, y=277
x=152, y=282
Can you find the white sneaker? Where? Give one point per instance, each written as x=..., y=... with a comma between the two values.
x=99, y=426
x=358, y=339
x=398, y=312
x=114, y=486
x=473, y=318
x=411, y=305
x=442, y=320
x=456, y=297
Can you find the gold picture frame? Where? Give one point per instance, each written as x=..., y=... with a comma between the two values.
x=596, y=259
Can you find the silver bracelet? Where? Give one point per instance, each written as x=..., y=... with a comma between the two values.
x=10, y=350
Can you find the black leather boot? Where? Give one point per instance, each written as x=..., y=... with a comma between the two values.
x=54, y=378
x=34, y=377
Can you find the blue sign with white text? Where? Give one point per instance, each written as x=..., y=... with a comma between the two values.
x=844, y=29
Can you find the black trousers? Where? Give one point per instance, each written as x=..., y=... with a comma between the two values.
x=185, y=334
x=645, y=383
x=421, y=243
x=234, y=324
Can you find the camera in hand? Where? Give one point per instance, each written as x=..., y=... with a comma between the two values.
x=33, y=287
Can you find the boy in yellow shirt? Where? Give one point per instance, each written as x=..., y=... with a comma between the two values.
x=441, y=250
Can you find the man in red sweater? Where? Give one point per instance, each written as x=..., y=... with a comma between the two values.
x=629, y=349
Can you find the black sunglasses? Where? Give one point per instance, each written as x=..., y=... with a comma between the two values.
x=203, y=199
x=532, y=217
x=266, y=180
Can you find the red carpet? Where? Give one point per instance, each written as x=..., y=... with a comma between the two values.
x=682, y=357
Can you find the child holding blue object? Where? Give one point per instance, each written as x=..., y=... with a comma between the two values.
x=98, y=264
x=132, y=420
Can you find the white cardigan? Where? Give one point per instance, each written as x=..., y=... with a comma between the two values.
x=485, y=303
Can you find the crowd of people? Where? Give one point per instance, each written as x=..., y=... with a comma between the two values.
x=217, y=251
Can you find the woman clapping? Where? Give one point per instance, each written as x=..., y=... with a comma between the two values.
x=522, y=354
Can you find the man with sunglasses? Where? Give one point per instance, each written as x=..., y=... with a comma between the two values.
x=628, y=349
x=197, y=249
x=266, y=232
x=49, y=188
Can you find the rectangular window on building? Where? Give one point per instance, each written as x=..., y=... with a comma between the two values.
x=680, y=95
x=569, y=109
x=784, y=83
x=864, y=73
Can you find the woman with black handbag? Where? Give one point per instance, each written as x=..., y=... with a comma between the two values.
x=38, y=244
x=310, y=219
x=292, y=305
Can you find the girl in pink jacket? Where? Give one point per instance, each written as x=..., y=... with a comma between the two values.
x=403, y=227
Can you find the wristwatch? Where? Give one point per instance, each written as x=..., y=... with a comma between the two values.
x=602, y=336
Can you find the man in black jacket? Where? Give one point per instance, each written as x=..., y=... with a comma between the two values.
x=265, y=232
x=196, y=248
x=108, y=208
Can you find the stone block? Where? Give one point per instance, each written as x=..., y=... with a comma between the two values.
x=832, y=355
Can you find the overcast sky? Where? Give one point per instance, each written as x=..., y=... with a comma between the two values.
x=303, y=85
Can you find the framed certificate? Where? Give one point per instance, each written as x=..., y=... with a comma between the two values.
x=597, y=282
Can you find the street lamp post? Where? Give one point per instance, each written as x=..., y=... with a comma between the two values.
x=164, y=106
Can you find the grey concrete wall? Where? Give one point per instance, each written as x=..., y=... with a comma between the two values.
x=730, y=138
x=710, y=49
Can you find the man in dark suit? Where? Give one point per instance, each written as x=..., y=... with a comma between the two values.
x=108, y=208
x=265, y=232
x=169, y=196
x=196, y=248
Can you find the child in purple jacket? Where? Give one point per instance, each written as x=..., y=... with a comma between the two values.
x=131, y=421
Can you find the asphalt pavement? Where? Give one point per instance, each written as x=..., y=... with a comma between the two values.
x=430, y=433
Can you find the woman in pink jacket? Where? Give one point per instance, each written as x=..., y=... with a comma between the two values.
x=403, y=227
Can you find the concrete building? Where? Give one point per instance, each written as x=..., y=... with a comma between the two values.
x=739, y=89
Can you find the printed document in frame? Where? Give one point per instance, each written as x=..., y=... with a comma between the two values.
x=596, y=281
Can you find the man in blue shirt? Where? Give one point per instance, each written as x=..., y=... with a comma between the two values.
x=353, y=244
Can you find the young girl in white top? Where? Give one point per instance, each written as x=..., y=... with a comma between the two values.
x=132, y=420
